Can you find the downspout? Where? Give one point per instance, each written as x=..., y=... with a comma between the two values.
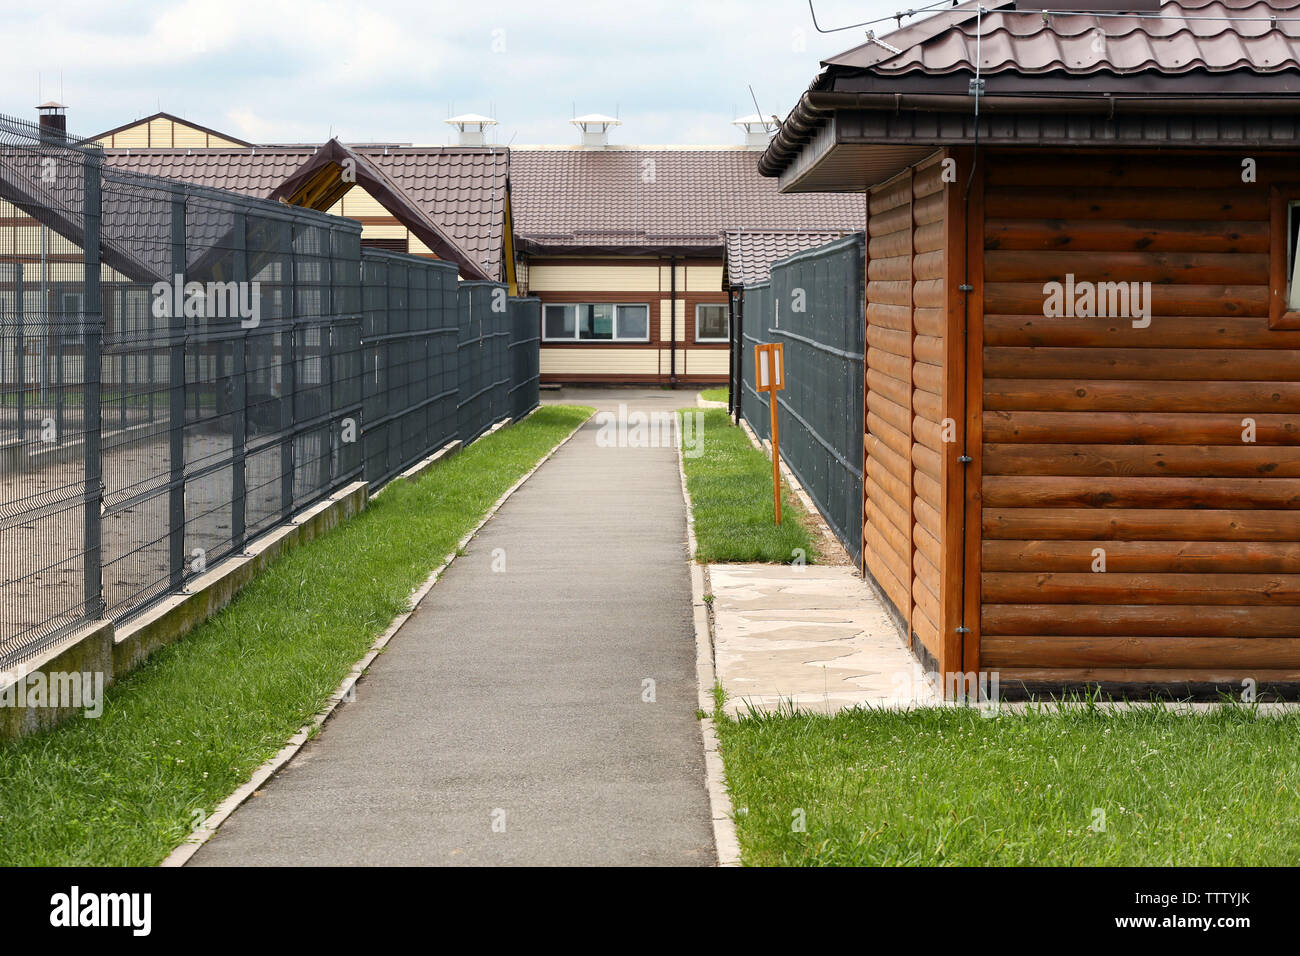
x=672, y=320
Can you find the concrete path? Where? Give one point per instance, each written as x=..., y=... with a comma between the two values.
x=813, y=636
x=506, y=722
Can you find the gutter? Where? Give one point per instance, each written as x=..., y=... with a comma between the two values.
x=816, y=107
x=672, y=320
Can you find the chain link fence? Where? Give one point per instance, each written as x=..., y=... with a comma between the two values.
x=813, y=305
x=181, y=369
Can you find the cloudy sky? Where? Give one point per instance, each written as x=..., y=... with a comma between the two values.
x=676, y=71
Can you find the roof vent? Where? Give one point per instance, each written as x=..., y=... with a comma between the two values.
x=472, y=127
x=53, y=121
x=757, y=130
x=595, y=129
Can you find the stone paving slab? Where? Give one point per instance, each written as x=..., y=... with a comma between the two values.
x=812, y=637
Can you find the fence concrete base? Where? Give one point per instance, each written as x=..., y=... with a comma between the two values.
x=111, y=652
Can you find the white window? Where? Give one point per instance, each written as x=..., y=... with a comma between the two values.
x=596, y=322
x=1293, y=256
x=711, y=323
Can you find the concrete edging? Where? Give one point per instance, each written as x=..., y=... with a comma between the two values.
x=725, y=842
x=343, y=693
x=114, y=650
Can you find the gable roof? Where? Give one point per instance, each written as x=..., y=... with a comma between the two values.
x=1059, y=78
x=453, y=197
x=654, y=200
x=145, y=120
x=749, y=255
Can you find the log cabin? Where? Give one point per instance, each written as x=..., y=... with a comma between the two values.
x=1082, y=403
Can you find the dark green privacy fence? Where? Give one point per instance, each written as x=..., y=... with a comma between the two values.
x=813, y=305
x=182, y=369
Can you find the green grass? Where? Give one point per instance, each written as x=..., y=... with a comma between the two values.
x=731, y=495
x=950, y=787
x=716, y=394
x=182, y=732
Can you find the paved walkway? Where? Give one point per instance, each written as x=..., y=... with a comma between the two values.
x=812, y=636
x=517, y=697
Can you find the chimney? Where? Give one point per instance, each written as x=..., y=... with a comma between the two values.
x=53, y=122
x=756, y=130
x=595, y=129
x=472, y=127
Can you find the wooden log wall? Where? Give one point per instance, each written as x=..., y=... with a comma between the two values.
x=1105, y=439
x=904, y=448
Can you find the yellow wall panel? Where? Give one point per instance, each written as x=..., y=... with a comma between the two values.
x=665, y=332
x=596, y=361
x=707, y=361
x=358, y=202
x=666, y=278
x=218, y=141
x=187, y=137
x=160, y=133
x=417, y=248
x=135, y=137
x=369, y=231
x=589, y=278
x=704, y=279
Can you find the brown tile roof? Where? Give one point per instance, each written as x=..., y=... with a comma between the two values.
x=1054, y=77
x=253, y=172
x=461, y=188
x=1213, y=35
x=461, y=191
x=655, y=200
x=749, y=255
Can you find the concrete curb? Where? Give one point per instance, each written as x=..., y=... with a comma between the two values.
x=343, y=693
x=725, y=841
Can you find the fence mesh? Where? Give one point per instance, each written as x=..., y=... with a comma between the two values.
x=182, y=369
x=813, y=305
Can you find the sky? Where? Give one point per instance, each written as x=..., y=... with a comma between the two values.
x=301, y=71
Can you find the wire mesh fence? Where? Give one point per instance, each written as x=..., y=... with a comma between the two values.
x=182, y=369
x=813, y=306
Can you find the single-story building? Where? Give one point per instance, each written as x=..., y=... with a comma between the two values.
x=625, y=246
x=1082, y=401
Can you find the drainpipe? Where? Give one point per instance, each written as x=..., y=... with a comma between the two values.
x=672, y=320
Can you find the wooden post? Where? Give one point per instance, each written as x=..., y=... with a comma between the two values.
x=769, y=375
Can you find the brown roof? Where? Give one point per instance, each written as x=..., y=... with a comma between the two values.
x=454, y=196
x=1235, y=35
x=647, y=200
x=1054, y=78
x=461, y=188
x=749, y=255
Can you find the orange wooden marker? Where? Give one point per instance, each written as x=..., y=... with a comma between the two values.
x=769, y=370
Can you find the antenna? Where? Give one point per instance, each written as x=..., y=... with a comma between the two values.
x=757, y=111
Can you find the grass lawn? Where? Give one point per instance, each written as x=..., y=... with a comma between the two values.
x=716, y=395
x=950, y=787
x=731, y=494
x=187, y=728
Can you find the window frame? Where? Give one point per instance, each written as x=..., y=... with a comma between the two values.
x=615, y=338
x=726, y=314
x=1282, y=198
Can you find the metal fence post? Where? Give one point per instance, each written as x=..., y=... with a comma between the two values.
x=176, y=393
x=288, y=352
x=92, y=314
x=239, y=395
x=19, y=295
